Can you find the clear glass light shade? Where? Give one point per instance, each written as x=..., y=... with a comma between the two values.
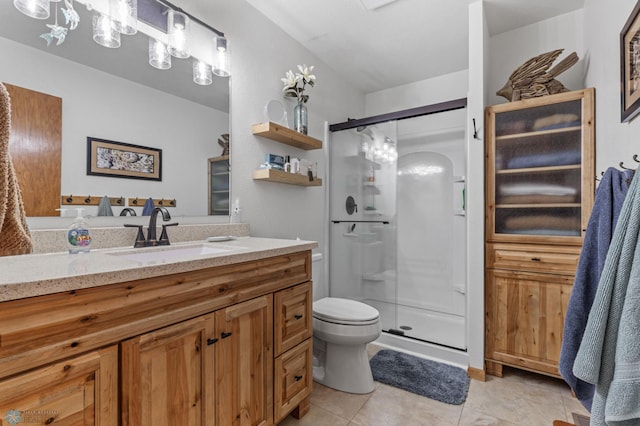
x=104, y=32
x=38, y=9
x=221, y=65
x=202, y=73
x=159, y=56
x=179, y=31
x=124, y=14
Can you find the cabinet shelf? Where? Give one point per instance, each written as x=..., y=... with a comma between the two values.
x=539, y=169
x=538, y=133
x=537, y=206
x=286, y=136
x=271, y=175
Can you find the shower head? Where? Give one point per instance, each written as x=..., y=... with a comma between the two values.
x=364, y=130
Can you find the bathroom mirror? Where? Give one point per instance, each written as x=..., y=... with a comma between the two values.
x=115, y=94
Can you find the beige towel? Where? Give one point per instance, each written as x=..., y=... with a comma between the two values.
x=14, y=233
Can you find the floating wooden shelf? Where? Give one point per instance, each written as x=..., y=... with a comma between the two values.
x=272, y=175
x=286, y=136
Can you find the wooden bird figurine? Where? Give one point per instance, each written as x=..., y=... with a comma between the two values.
x=534, y=78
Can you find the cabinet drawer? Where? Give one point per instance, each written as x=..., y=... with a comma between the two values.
x=560, y=260
x=293, y=320
x=293, y=379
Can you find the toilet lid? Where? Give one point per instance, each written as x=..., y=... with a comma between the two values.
x=343, y=310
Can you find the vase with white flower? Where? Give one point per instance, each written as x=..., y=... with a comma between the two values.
x=294, y=86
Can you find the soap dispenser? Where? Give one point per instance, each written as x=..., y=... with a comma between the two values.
x=78, y=238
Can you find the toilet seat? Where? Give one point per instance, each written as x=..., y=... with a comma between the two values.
x=344, y=311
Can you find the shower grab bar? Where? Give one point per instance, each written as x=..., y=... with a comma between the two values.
x=384, y=222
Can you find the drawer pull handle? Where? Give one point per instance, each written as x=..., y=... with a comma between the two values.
x=298, y=378
x=225, y=335
x=536, y=259
x=211, y=341
x=298, y=316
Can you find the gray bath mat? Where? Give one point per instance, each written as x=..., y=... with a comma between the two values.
x=442, y=382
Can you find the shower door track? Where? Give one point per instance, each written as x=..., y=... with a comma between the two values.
x=401, y=115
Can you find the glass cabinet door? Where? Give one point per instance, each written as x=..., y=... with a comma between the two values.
x=536, y=172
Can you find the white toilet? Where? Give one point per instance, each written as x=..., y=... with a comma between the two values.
x=342, y=328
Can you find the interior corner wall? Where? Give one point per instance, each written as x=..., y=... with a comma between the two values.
x=615, y=141
x=261, y=53
x=511, y=49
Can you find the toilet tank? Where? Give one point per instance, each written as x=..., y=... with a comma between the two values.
x=320, y=286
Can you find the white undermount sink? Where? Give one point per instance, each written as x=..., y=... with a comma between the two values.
x=170, y=253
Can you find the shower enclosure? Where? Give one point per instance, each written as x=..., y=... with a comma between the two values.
x=398, y=224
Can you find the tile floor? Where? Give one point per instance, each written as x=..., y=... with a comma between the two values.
x=518, y=398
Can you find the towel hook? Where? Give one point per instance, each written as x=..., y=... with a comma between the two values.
x=623, y=167
x=135, y=202
x=635, y=158
x=475, y=131
x=87, y=200
x=70, y=199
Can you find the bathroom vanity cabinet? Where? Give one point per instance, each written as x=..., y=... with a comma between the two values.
x=539, y=194
x=223, y=345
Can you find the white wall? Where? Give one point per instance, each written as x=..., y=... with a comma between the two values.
x=103, y=106
x=511, y=49
x=425, y=92
x=615, y=141
x=261, y=53
x=479, y=53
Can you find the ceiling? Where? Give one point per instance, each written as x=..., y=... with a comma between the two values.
x=402, y=41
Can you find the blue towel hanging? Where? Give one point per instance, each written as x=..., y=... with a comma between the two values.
x=148, y=207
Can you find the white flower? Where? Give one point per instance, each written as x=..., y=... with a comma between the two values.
x=305, y=74
x=291, y=82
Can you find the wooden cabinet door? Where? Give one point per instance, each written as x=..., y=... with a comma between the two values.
x=79, y=391
x=525, y=318
x=167, y=376
x=293, y=319
x=244, y=363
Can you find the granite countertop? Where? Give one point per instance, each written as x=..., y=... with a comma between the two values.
x=40, y=274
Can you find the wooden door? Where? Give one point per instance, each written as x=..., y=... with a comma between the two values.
x=35, y=145
x=525, y=318
x=167, y=376
x=80, y=391
x=244, y=363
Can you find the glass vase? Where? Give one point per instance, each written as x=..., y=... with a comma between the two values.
x=300, y=118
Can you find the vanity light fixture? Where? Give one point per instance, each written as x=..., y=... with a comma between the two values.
x=178, y=30
x=202, y=73
x=38, y=9
x=221, y=66
x=104, y=31
x=124, y=14
x=159, y=56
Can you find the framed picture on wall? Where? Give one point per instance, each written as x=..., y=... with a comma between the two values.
x=123, y=160
x=630, y=66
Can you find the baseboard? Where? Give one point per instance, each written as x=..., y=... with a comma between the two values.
x=476, y=374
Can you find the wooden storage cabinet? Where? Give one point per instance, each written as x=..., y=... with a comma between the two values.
x=539, y=194
x=293, y=331
x=196, y=348
x=219, y=185
x=79, y=391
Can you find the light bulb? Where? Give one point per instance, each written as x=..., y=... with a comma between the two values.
x=38, y=9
